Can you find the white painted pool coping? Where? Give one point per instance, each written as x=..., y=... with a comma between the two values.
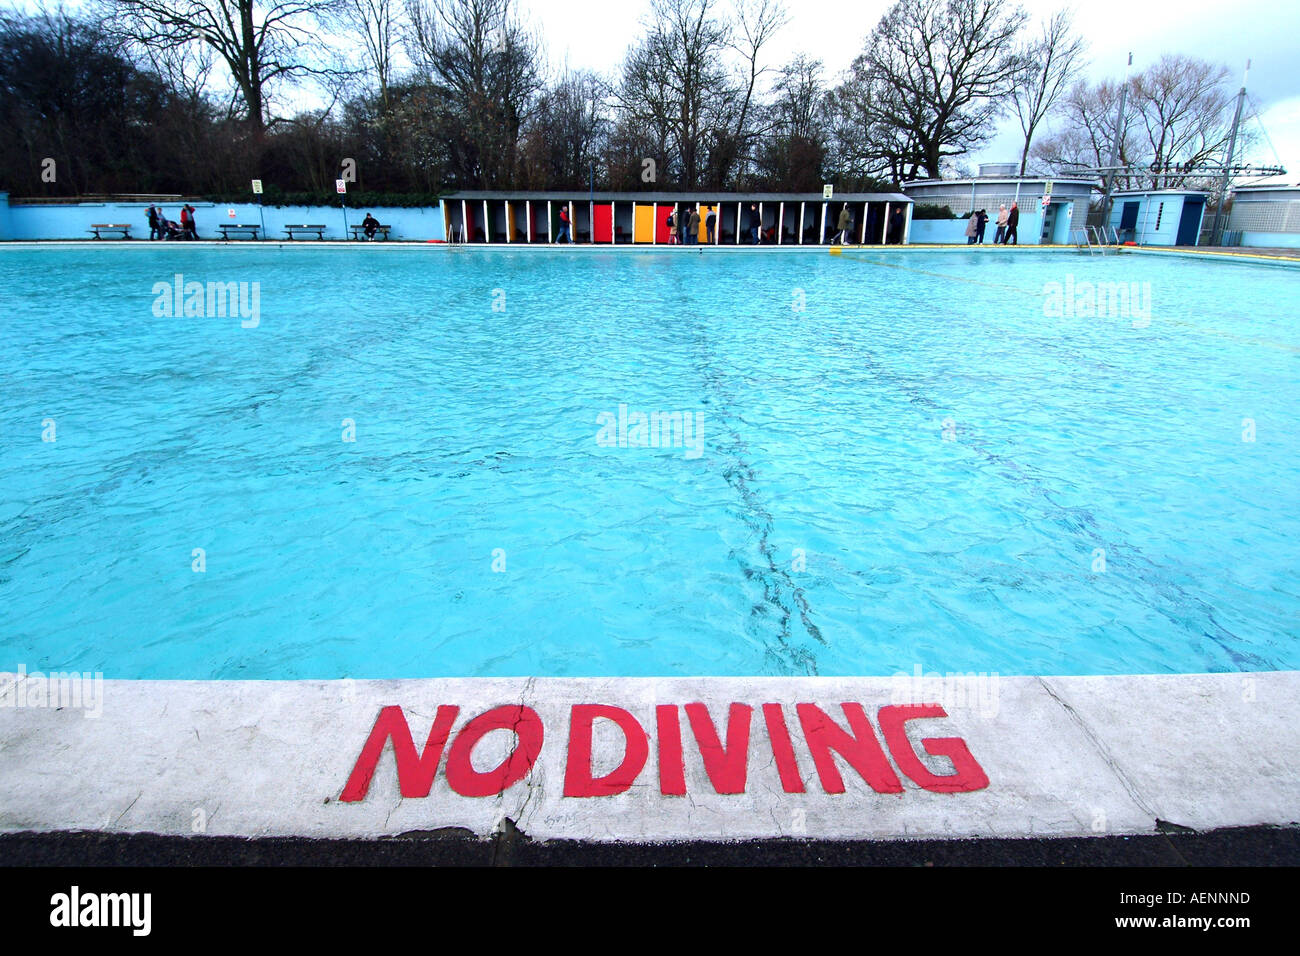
x=576, y=248
x=1063, y=756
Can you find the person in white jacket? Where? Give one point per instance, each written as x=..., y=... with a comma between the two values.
x=1001, y=234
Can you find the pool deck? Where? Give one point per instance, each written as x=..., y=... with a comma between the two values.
x=655, y=760
x=1273, y=256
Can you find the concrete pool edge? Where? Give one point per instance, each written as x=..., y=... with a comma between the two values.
x=581, y=247
x=1062, y=756
x=1261, y=257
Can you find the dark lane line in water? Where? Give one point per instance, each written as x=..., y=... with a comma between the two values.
x=740, y=475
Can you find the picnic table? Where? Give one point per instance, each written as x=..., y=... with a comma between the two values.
x=319, y=230
x=238, y=230
x=98, y=227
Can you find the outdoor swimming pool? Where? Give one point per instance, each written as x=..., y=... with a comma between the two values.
x=896, y=460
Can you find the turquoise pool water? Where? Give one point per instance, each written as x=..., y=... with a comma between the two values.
x=904, y=462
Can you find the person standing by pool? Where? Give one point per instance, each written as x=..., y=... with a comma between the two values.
x=155, y=226
x=981, y=225
x=693, y=227
x=683, y=225
x=971, y=225
x=842, y=225
x=1001, y=234
x=710, y=223
x=1013, y=220
x=896, y=227
x=754, y=222
x=187, y=222
x=564, y=235
x=671, y=224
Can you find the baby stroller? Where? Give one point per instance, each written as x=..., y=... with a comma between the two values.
x=171, y=230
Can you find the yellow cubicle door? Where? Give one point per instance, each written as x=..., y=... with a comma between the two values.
x=643, y=227
x=703, y=221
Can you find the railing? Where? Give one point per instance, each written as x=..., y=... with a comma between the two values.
x=1103, y=236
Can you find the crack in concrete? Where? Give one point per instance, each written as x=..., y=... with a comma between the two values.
x=391, y=811
x=1125, y=781
x=525, y=696
x=128, y=808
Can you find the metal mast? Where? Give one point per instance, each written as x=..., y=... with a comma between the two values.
x=1216, y=236
x=1114, y=146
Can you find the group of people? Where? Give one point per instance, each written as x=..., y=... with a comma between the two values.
x=1008, y=221
x=684, y=227
x=160, y=227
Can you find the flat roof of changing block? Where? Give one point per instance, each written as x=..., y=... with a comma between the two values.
x=1002, y=181
x=1162, y=192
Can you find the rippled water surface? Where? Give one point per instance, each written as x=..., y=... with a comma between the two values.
x=904, y=463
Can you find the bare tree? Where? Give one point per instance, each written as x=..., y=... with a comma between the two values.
x=185, y=68
x=565, y=137
x=1056, y=57
x=258, y=42
x=484, y=64
x=940, y=71
x=673, y=83
x=1179, y=116
x=866, y=141
x=792, y=156
x=756, y=22
x=380, y=26
x=1088, y=115
x=646, y=115
x=1185, y=108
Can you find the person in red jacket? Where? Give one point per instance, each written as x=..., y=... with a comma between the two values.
x=1013, y=219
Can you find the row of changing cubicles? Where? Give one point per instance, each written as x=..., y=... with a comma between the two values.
x=638, y=218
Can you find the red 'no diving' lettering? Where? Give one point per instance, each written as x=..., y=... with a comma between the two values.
x=725, y=765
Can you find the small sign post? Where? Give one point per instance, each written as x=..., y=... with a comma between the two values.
x=257, y=191
x=341, y=185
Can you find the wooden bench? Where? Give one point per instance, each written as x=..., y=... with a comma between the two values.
x=319, y=230
x=359, y=231
x=228, y=229
x=98, y=227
